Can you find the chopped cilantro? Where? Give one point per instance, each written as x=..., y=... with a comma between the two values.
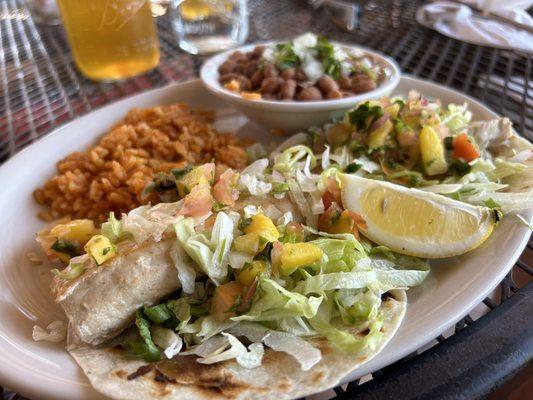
x=179, y=173
x=490, y=203
x=66, y=247
x=244, y=222
x=364, y=115
x=448, y=143
x=352, y=168
x=279, y=187
x=285, y=56
x=326, y=52
x=400, y=102
x=460, y=167
x=265, y=253
x=106, y=250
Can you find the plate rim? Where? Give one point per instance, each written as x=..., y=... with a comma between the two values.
x=18, y=382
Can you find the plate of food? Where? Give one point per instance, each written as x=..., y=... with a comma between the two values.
x=149, y=255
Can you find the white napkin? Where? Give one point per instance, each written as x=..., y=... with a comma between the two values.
x=459, y=22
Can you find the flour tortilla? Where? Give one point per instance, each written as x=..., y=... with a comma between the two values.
x=280, y=376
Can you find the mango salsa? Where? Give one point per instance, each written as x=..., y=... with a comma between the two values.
x=264, y=226
x=77, y=230
x=378, y=136
x=295, y=255
x=432, y=151
x=251, y=271
x=225, y=298
x=344, y=224
x=101, y=249
x=202, y=174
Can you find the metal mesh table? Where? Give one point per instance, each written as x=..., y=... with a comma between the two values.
x=40, y=89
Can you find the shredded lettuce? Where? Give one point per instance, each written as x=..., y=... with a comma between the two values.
x=144, y=348
x=303, y=351
x=456, y=117
x=392, y=279
x=210, y=254
x=112, y=229
x=73, y=271
x=167, y=339
x=186, y=270
x=342, y=339
x=287, y=161
x=276, y=302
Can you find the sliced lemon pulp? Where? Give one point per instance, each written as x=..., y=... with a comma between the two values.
x=415, y=222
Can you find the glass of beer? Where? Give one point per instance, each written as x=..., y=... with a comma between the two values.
x=111, y=39
x=208, y=26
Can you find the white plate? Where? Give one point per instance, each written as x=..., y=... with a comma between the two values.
x=45, y=371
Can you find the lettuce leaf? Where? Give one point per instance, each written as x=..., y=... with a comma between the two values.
x=344, y=340
x=210, y=254
x=273, y=302
x=168, y=340
x=391, y=279
x=145, y=348
x=303, y=351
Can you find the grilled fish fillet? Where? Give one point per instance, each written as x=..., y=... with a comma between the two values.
x=103, y=301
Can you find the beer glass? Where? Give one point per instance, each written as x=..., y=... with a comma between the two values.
x=111, y=39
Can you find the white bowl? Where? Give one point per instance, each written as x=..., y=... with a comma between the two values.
x=295, y=115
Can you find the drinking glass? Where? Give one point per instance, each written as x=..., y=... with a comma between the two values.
x=111, y=39
x=208, y=26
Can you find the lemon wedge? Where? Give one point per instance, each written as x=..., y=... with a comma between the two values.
x=414, y=222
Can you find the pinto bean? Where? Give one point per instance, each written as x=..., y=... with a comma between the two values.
x=258, y=51
x=327, y=84
x=345, y=82
x=288, y=89
x=309, y=94
x=270, y=70
x=300, y=76
x=227, y=67
x=257, y=78
x=271, y=85
x=362, y=83
x=288, y=73
x=236, y=55
x=334, y=94
x=250, y=68
x=240, y=68
x=347, y=93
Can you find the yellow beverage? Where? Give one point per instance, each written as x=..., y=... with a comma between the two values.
x=195, y=10
x=111, y=39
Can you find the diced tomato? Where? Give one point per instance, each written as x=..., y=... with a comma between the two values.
x=327, y=199
x=463, y=148
x=328, y=218
x=247, y=297
x=359, y=220
x=224, y=190
x=199, y=202
x=332, y=194
x=225, y=298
